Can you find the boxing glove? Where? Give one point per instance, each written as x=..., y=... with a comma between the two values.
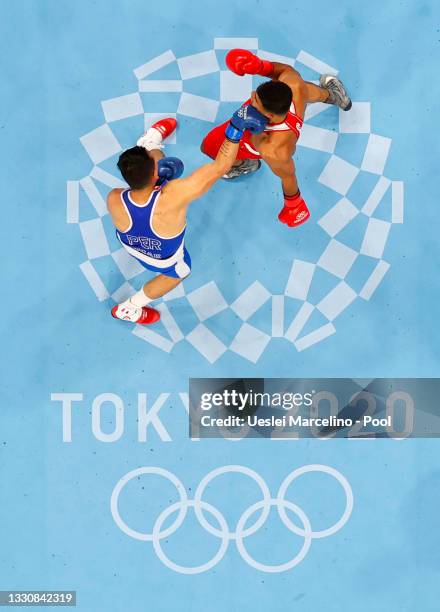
x=246, y=117
x=169, y=168
x=242, y=61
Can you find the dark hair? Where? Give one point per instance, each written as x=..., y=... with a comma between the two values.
x=275, y=96
x=136, y=166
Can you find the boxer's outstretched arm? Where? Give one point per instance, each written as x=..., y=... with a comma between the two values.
x=183, y=191
x=243, y=61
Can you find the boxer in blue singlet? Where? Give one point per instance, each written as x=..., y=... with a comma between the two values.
x=150, y=216
x=155, y=252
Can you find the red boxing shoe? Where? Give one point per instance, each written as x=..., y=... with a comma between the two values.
x=295, y=211
x=165, y=126
x=141, y=316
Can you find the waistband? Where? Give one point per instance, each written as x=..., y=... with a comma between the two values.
x=151, y=261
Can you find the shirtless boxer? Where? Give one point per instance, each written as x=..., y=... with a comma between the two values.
x=283, y=101
x=150, y=216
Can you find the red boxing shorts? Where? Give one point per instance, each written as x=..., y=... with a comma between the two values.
x=214, y=140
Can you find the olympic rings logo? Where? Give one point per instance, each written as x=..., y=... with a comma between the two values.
x=243, y=529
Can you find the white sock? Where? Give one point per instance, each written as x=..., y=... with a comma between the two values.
x=139, y=299
x=152, y=139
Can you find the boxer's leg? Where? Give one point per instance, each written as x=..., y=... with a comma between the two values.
x=314, y=93
x=165, y=282
x=136, y=309
x=158, y=287
x=286, y=172
x=295, y=211
x=330, y=90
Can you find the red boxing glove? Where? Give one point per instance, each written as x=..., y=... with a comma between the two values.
x=242, y=61
x=295, y=211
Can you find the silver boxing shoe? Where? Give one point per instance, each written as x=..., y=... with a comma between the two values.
x=337, y=94
x=246, y=167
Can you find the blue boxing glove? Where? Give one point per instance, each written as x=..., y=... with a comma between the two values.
x=247, y=117
x=169, y=168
